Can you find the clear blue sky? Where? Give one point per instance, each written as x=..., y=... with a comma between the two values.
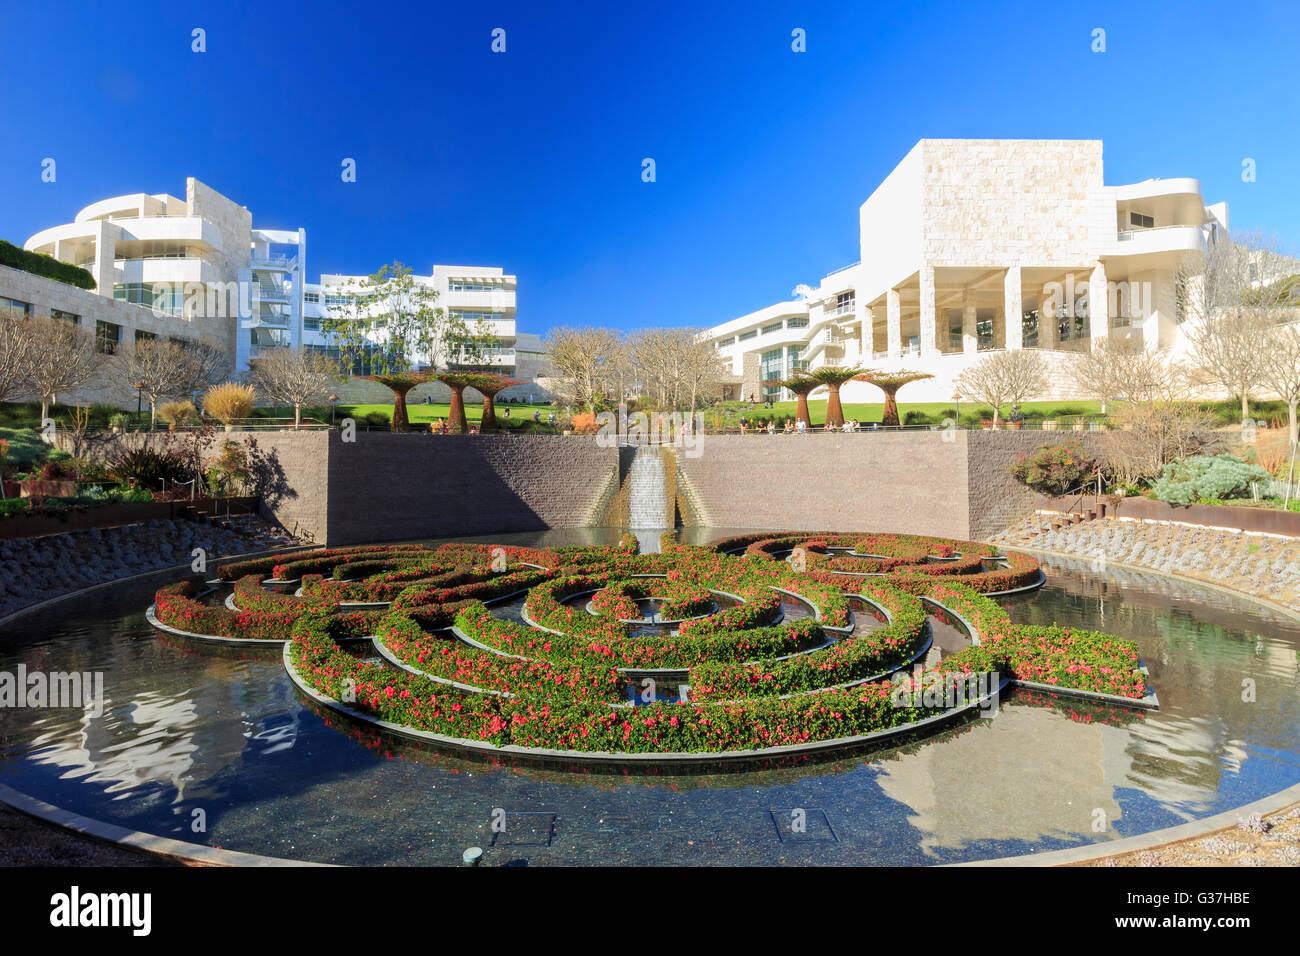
x=531, y=159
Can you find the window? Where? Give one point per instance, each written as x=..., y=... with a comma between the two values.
x=984, y=330
x=472, y=316
x=771, y=367
x=311, y=297
x=267, y=338
x=311, y=325
x=14, y=309
x=797, y=364
x=797, y=323
x=108, y=336
x=774, y=327
x=142, y=336
x=1139, y=221
x=65, y=316
x=136, y=292
x=752, y=333
x=1029, y=329
x=473, y=285
x=337, y=299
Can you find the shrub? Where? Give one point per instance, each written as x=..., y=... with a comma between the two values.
x=917, y=418
x=43, y=265
x=1054, y=469
x=148, y=467
x=377, y=418
x=1206, y=478
x=584, y=423
x=120, y=420
x=229, y=401
x=177, y=413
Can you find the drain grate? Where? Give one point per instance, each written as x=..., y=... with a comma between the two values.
x=525, y=828
x=803, y=825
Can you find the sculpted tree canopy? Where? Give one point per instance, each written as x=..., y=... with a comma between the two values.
x=890, y=383
x=801, y=386
x=832, y=376
x=400, y=383
x=1002, y=378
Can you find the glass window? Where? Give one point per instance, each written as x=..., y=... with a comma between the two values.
x=15, y=309
x=141, y=335
x=65, y=316
x=108, y=336
x=268, y=338
x=797, y=323
x=312, y=325
x=752, y=333
x=311, y=296
x=774, y=327
x=1029, y=329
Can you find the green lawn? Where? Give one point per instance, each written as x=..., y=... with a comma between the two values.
x=422, y=414
x=971, y=412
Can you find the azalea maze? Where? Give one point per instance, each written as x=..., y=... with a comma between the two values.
x=756, y=645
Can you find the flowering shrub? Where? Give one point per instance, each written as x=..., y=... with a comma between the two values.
x=1054, y=469
x=569, y=681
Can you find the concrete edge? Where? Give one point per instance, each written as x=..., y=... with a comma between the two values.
x=196, y=853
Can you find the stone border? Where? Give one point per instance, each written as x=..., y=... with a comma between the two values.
x=196, y=853
x=1180, y=833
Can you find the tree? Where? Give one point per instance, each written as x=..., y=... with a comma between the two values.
x=1231, y=294
x=1011, y=377
x=159, y=369
x=64, y=358
x=485, y=382
x=890, y=383
x=1157, y=424
x=801, y=386
x=391, y=307
x=1281, y=371
x=17, y=344
x=299, y=377
x=489, y=388
x=208, y=366
x=401, y=383
x=1104, y=371
x=832, y=376
x=583, y=360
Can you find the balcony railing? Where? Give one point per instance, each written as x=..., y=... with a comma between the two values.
x=846, y=309
x=1126, y=235
x=278, y=263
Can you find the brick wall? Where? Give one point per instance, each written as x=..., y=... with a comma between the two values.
x=996, y=500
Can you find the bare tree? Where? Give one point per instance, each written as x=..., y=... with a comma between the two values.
x=1281, y=371
x=208, y=365
x=1011, y=377
x=64, y=358
x=17, y=343
x=159, y=369
x=1231, y=295
x=1100, y=372
x=1157, y=424
x=299, y=377
x=583, y=359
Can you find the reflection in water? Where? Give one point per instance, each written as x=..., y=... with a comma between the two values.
x=185, y=727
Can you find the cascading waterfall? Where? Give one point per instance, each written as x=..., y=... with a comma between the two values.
x=647, y=488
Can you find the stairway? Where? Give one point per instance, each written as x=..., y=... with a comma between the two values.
x=647, y=490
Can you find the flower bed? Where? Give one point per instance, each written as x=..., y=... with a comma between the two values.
x=749, y=679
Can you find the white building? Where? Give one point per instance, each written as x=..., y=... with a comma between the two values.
x=198, y=270
x=971, y=246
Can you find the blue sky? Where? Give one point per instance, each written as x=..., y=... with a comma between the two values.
x=531, y=159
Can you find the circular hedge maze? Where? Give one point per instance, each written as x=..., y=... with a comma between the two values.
x=752, y=646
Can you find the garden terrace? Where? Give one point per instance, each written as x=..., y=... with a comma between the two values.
x=741, y=671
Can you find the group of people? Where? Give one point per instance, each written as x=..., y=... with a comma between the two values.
x=797, y=427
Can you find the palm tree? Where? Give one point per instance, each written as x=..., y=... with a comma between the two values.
x=890, y=383
x=832, y=376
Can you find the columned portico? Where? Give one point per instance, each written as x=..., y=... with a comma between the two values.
x=1013, y=308
x=894, y=318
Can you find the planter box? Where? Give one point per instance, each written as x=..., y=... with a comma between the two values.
x=1049, y=424
x=1265, y=520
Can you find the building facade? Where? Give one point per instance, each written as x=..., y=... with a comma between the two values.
x=972, y=246
x=196, y=269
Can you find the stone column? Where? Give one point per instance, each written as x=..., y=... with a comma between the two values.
x=894, y=320
x=867, y=332
x=1013, y=309
x=970, y=341
x=1098, y=305
x=929, y=339
x=106, y=235
x=1047, y=323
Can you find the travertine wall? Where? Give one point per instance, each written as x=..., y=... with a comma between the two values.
x=45, y=294
x=1003, y=202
